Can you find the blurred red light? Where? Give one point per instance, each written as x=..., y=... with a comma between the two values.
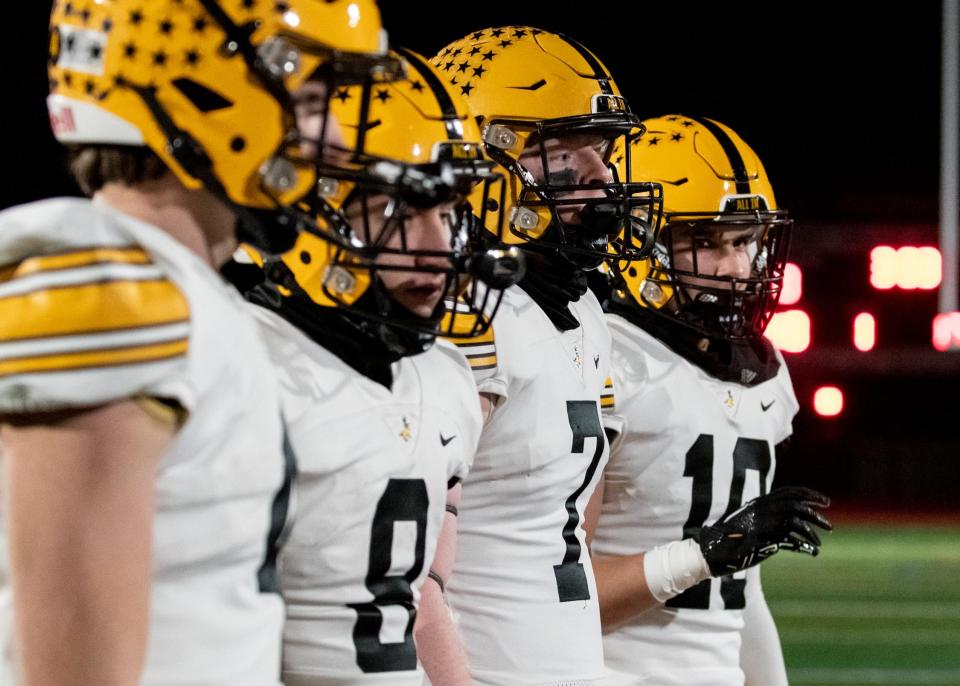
x=790, y=331
x=864, y=331
x=946, y=331
x=828, y=401
x=792, y=284
x=908, y=267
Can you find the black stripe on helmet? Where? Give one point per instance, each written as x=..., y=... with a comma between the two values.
x=444, y=100
x=599, y=73
x=733, y=155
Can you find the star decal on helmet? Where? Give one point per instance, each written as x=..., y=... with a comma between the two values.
x=166, y=27
x=342, y=94
x=653, y=141
x=465, y=89
x=417, y=86
x=686, y=123
x=382, y=95
x=199, y=24
x=136, y=17
x=130, y=50
x=676, y=137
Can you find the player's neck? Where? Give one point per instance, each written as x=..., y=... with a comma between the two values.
x=194, y=218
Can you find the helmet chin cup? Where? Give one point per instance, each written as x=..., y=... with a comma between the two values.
x=499, y=268
x=602, y=220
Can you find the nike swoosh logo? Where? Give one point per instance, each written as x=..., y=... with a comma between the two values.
x=445, y=441
x=678, y=182
x=766, y=406
x=532, y=87
x=596, y=361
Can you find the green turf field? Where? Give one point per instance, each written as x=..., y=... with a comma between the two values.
x=880, y=605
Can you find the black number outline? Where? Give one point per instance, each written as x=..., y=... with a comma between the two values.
x=584, y=418
x=402, y=500
x=748, y=453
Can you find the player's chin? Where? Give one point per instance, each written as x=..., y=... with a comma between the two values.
x=419, y=300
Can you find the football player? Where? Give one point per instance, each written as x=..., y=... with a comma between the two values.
x=703, y=400
x=522, y=585
x=144, y=468
x=383, y=421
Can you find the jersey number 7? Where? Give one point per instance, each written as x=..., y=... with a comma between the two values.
x=584, y=420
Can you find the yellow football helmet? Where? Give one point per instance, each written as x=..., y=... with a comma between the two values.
x=207, y=84
x=717, y=197
x=410, y=147
x=527, y=86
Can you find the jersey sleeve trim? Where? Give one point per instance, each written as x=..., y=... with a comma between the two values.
x=607, y=399
x=93, y=358
x=481, y=354
x=81, y=257
x=95, y=307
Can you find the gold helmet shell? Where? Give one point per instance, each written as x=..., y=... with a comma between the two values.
x=413, y=143
x=205, y=84
x=712, y=181
x=526, y=85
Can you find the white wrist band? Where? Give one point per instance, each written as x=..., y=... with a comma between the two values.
x=673, y=568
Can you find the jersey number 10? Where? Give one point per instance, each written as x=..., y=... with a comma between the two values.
x=749, y=453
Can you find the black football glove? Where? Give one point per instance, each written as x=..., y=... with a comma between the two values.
x=780, y=520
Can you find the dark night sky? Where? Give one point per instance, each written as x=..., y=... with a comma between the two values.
x=840, y=100
x=841, y=103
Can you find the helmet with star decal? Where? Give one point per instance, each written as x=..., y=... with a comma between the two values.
x=206, y=85
x=718, y=263
x=543, y=99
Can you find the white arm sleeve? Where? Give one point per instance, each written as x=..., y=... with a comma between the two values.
x=761, y=656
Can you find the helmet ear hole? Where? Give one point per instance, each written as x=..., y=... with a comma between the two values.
x=203, y=98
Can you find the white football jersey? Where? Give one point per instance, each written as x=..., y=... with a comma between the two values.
x=374, y=468
x=690, y=448
x=96, y=306
x=522, y=588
